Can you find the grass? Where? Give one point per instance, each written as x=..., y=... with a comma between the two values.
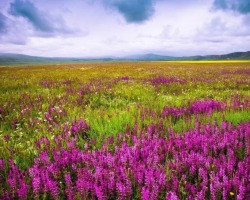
x=114, y=98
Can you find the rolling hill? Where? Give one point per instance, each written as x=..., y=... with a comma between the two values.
x=20, y=59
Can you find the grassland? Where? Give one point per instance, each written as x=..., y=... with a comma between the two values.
x=99, y=116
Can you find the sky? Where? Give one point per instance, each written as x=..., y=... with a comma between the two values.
x=99, y=28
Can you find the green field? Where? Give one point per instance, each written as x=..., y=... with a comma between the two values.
x=101, y=115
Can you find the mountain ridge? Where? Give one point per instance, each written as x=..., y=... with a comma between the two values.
x=19, y=59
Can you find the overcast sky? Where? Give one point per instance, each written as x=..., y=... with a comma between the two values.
x=84, y=28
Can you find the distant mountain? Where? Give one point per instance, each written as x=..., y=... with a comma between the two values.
x=19, y=59
x=149, y=57
x=12, y=59
x=155, y=57
x=231, y=56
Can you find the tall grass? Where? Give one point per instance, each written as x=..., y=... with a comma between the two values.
x=68, y=122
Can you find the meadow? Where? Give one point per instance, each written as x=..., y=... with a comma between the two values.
x=125, y=130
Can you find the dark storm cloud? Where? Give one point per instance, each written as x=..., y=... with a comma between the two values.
x=47, y=24
x=134, y=11
x=9, y=30
x=30, y=12
x=241, y=6
x=3, y=26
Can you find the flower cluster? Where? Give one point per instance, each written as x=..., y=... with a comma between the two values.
x=166, y=80
x=208, y=162
x=199, y=106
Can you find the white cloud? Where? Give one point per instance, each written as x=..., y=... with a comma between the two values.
x=176, y=28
